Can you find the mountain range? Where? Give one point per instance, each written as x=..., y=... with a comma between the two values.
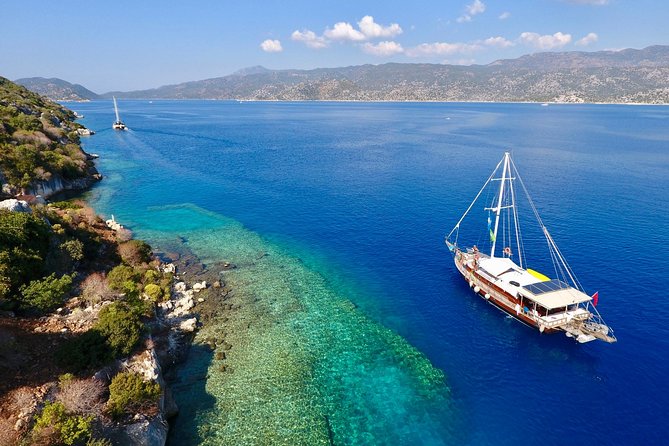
x=625, y=76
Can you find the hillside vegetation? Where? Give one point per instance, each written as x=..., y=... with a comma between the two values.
x=72, y=300
x=38, y=142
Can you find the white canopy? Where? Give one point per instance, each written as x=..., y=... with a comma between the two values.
x=558, y=298
x=504, y=269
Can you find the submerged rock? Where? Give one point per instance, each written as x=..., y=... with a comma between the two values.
x=199, y=286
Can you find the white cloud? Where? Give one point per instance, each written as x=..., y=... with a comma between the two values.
x=367, y=30
x=474, y=8
x=587, y=40
x=372, y=30
x=499, y=42
x=309, y=38
x=545, y=42
x=271, y=46
x=505, y=15
x=344, y=31
x=385, y=48
x=426, y=49
x=459, y=62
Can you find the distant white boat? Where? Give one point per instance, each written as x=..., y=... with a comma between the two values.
x=545, y=104
x=118, y=124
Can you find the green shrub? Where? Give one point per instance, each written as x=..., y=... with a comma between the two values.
x=46, y=294
x=120, y=326
x=65, y=379
x=135, y=252
x=99, y=442
x=24, y=243
x=152, y=276
x=88, y=350
x=154, y=292
x=72, y=429
x=121, y=274
x=66, y=205
x=74, y=249
x=128, y=391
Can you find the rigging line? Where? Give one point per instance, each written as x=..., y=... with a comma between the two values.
x=556, y=256
x=473, y=202
x=570, y=272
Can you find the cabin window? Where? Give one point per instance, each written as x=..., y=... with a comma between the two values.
x=556, y=310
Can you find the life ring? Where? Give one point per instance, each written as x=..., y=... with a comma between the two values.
x=507, y=251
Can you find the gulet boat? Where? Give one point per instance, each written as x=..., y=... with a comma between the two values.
x=118, y=124
x=498, y=271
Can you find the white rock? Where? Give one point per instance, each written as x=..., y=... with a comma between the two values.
x=169, y=268
x=180, y=287
x=166, y=305
x=199, y=286
x=200, y=299
x=188, y=325
x=146, y=364
x=15, y=205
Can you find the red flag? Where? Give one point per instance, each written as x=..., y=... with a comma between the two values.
x=595, y=299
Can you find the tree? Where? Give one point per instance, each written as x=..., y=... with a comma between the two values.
x=46, y=294
x=120, y=326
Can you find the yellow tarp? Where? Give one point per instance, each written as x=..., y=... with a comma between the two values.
x=538, y=275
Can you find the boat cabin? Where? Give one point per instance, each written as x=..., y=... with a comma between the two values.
x=553, y=301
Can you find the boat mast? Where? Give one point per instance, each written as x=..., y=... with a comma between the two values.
x=116, y=109
x=498, y=209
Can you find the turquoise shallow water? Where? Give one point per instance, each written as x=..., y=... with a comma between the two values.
x=306, y=367
x=337, y=213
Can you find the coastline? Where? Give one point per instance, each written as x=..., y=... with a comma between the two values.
x=354, y=101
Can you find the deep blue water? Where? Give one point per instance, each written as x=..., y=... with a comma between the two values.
x=364, y=194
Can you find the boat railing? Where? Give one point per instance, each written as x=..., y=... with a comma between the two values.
x=548, y=321
x=556, y=320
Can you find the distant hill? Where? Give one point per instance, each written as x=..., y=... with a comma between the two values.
x=57, y=89
x=604, y=76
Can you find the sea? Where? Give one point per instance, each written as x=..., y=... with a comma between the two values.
x=350, y=324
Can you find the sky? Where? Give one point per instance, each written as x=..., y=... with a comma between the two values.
x=130, y=45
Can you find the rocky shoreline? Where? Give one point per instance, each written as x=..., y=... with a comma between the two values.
x=193, y=292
